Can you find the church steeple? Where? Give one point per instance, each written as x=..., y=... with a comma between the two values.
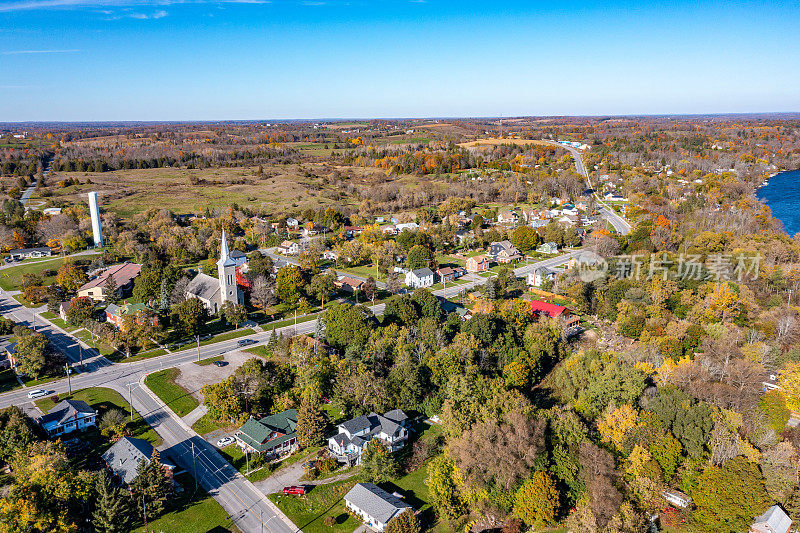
x=226, y=266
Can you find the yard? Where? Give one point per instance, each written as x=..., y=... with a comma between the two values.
x=11, y=277
x=103, y=399
x=192, y=512
x=163, y=385
x=309, y=512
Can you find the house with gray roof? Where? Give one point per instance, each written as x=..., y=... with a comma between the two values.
x=271, y=435
x=774, y=520
x=124, y=457
x=353, y=436
x=68, y=416
x=421, y=277
x=373, y=505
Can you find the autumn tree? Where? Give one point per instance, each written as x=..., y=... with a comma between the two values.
x=419, y=257
x=536, y=501
x=80, y=310
x=405, y=522
x=223, y=400
x=32, y=350
x=377, y=463
x=289, y=284
x=728, y=497
x=445, y=495
x=234, y=313
x=70, y=276
x=190, y=317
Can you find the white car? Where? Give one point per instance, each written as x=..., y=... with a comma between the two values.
x=37, y=393
x=225, y=441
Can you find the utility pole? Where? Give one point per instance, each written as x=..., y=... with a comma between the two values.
x=790, y=297
x=198, y=347
x=144, y=512
x=69, y=381
x=295, y=322
x=130, y=399
x=80, y=348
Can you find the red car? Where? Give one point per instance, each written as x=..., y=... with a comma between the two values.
x=294, y=489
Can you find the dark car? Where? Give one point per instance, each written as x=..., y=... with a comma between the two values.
x=247, y=342
x=294, y=489
x=220, y=363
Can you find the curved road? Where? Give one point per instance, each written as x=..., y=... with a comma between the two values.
x=620, y=224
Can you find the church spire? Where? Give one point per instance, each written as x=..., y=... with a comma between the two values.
x=224, y=254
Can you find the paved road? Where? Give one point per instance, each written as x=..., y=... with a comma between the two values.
x=244, y=503
x=620, y=224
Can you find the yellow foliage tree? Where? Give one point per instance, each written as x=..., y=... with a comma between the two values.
x=615, y=423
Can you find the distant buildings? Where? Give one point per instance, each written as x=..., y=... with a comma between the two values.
x=419, y=278
x=504, y=252
x=30, y=253
x=478, y=263
x=271, y=435
x=774, y=520
x=353, y=436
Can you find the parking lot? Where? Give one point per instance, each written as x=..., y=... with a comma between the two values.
x=194, y=376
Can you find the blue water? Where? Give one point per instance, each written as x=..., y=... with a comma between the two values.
x=782, y=195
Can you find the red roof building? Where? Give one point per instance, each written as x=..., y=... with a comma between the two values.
x=551, y=310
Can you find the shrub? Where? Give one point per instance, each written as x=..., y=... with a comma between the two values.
x=330, y=521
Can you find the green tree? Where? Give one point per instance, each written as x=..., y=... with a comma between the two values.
x=32, y=351
x=536, y=501
x=428, y=304
x=17, y=431
x=322, y=286
x=524, y=238
x=346, y=325
x=234, y=313
x=151, y=487
x=444, y=493
x=419, y=257
x=70, y=276
x=148, y=286
x=223, y=400
x=728, y=497
x=190, y=317
x=667, y=453
x=112, y=513
x=289, y=284
x=110, y=290
x=311, y=421
x=377, y=463
x=405, y=522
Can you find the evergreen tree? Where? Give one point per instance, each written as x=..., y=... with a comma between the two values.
x=310, y=421
x=319, y=330
x=111, y=289
x=163, y=303
x=377, y=464
x=151, y=488
x=112, y=512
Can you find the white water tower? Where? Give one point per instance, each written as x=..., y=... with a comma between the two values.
x=94, y=210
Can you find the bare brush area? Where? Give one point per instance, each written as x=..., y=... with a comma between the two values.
x=496, y=141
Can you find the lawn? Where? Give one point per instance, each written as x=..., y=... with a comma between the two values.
x=60, y=323
x=120, y=358
x=218, y=338
x=309, y=512
x=261, y=351
x=163, y=385
x=209, y=360
x=10, y=278
x=101, y=347
x=103, y=399
x=8, y=380
x=192, y=512
x=234, y=455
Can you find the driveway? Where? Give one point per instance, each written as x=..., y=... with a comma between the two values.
x=291, y=476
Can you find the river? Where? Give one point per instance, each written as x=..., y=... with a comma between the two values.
x=782, y=195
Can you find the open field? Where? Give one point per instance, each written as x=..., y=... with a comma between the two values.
x=128, y=192
x=11, y=277
x=163, y=385
x=495, y=141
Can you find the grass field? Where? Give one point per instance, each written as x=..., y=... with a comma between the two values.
x=495, y=141
x=309, y=512
x=192, y=512
x=8, y=380
x=218, y=338
x=163, y=385
x=206, y=424
x=10, y=278
x=127, y=192
x=103, y=399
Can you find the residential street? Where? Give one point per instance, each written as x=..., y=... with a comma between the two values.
x=244, y=502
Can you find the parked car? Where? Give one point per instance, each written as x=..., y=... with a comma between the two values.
x=220, y=363
x=247, y=342
x=37, y=393
x=225, y=441
x=294, y=489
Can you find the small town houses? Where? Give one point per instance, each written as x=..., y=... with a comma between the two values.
x=351, y=441
x=124, y=457
x=272, y=435
x=68, y=416
x=140, y=313
x=373, y=505
x=419, y=278
x=503, y=252
x=477, y=264
x=30, y=253
x=123, y=274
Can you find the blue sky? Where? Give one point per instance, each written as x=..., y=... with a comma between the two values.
x=81, y=60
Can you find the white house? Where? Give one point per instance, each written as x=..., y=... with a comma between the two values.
x=540, y=275
x=406, y=226
x=677, y=498
x=288, y=248
x=292, y=223
x=548, y=248
x=354, y=434
x=68, y=416
x=30, y=253
x=373, y=505
x=421, y=277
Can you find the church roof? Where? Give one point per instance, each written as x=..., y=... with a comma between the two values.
x=204, y=287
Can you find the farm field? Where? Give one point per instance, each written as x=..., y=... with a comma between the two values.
x=495, y=141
